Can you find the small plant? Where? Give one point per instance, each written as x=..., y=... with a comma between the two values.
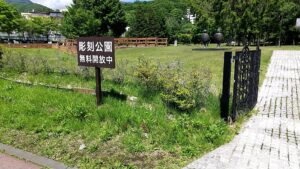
x=34, y=65
x=147, y=73
x=80, y=112
x=63, y=71
x=199, y=84
x=46, y=67
x=14, y=62
x=185, y=91
x=86, y=73
x=214, y=131
x=21, y=65
x=118, y=75
x=133, y=143
x=185, y=38
x=177, y=95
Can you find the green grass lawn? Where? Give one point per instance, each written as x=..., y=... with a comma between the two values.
x=189, y=59
x=120, y=133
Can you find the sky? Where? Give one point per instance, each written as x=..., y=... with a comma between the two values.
x=60, y=4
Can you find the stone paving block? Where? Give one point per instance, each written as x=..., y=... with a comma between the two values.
x=270, y=139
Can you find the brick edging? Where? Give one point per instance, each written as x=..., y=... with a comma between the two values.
x=36, y=159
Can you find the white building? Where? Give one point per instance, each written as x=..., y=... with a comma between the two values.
x=57, y=15
x=190, y=16
x=298, y=23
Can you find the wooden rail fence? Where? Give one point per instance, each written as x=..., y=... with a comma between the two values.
x=29, y=45
x=138, y=42
x=70, y=46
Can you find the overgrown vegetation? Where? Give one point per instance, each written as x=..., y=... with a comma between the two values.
x=142, y=133
x=178, y=90
x=146, y=133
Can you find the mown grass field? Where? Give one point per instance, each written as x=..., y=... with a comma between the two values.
x=120, y=133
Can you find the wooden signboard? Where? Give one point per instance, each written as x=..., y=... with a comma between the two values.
x=98, y=52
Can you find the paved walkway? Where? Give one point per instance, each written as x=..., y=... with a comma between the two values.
x=9, y=162
x=270, y=139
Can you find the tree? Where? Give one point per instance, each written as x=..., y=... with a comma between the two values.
x=148, y=23
x=48, y=25
x=169, y=14
x=9, y=18
x=94, y=17
x=253, y=20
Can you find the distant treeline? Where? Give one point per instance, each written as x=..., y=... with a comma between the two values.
x=270, y=21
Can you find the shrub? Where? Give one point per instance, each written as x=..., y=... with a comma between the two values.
x=147, y=73
x=213, y=132
x=177, y=95
x=46, y=67
x=185, y=38
x=180, y=90
x=63, y=71
x=199, y=85
x=14, y=61
x=86, y=74
x=34, y=65
x=118, y=75
x=186, y=91
x=82, y=71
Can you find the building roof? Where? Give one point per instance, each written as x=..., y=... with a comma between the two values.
x=37, y=14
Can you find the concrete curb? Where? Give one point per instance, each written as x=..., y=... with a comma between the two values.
x=39, y=160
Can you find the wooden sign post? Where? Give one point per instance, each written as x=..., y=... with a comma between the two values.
x=98, y=52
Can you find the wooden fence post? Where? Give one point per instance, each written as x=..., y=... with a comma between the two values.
x=99, y=95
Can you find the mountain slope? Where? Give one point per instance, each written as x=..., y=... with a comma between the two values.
x=18, y=1
x=28, y=6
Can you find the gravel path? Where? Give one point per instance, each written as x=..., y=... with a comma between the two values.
x=270, y=139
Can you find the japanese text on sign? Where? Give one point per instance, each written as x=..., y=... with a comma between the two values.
x=96, y=52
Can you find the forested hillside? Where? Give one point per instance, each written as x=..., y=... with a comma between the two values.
x=28, y=6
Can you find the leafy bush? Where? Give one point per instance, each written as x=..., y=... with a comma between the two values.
x=22, y=63
x=118, y=75
x=176, y=94
x=185, y=38
x=46, y=67
x=148, y=74
x=83, y=71
x=186, y=92
x=14, y=62
x=180, y=90
x=86, y=74
x=199, y=85
x=63, y=71
x=34, y=65
x=214, y=131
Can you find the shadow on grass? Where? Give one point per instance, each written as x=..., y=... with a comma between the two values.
x=115, y=94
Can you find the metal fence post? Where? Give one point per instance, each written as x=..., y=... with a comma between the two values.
x=226, y=86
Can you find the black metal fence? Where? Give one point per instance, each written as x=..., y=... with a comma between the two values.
x=246, y=82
